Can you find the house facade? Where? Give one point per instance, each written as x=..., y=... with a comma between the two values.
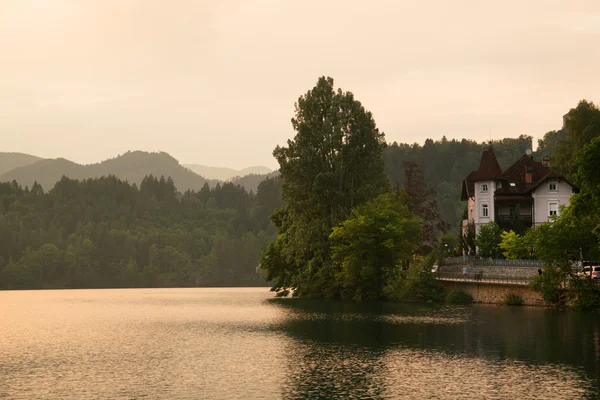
x=524, y=195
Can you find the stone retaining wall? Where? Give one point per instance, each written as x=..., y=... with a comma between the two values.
x=493, y=293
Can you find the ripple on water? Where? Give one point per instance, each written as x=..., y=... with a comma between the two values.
x=234, y=343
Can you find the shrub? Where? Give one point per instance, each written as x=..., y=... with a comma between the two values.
x=418, y=283
x=548, y=285
x=512, y=299
x=584, y=294
x=458, y=296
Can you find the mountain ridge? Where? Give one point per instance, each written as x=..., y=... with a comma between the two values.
x=11, y=160
x=131, y=166
x=225, y=173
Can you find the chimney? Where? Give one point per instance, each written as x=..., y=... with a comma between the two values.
x=529, y=175
x=546, y=161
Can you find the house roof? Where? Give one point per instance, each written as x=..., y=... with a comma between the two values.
x=514, y=177
x=488, y=167
x=488, y=170
x=514, y=182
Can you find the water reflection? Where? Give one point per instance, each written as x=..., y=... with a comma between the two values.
x=415, y=351
x=240, y=343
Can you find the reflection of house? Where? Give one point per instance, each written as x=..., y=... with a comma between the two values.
x=522, y=196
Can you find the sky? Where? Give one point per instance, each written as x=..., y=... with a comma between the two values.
x=215, y=82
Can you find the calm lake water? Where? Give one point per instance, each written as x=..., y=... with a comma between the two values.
x=241, y=343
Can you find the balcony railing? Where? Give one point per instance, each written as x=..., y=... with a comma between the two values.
x=513, y=218
x=518, y=223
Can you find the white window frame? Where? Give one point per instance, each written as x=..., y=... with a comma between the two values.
x=549, y=208
x=484, y=188
x=553, y=183
x=485, y=211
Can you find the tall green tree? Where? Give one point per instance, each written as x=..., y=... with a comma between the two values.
x=333, y=164
x=586, y=203
x=423, y=203
x=547, y=145
x=582, y=125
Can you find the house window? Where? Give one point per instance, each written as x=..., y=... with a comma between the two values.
x=512, y=184
x=553, y=208
x=552, y=187
x=484, y=210
x=484, y=188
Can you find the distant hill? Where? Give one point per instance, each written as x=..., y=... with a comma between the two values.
x=226, y=174
x=251, y=181
x=10, y=161
x=131, y=166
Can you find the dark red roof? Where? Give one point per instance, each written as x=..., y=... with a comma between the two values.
x=515, y=174
x=488, y=167
x=488, y=170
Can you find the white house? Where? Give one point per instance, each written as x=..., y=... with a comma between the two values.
x=522, y=196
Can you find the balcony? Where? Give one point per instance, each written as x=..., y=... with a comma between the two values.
x=517, y=223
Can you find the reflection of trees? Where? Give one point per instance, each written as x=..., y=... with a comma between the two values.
x=342, y=347
x=332, y=356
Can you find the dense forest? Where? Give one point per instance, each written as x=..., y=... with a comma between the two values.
x=444, y=163
x=107, y=233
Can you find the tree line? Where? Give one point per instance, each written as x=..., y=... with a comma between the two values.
x=105, y=232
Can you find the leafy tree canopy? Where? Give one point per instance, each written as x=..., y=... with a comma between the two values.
x=488, y=240
x=370, y=245
x=513, y=246
x=582, y=125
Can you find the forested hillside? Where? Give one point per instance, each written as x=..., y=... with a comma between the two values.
x=107, y=233
x=251, y=181
x=131, y=166
x=446, y=163
x=10, y=161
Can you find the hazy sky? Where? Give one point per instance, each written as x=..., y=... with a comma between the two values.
x=214, y=82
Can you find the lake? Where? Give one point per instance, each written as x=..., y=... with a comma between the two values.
x=240, y=343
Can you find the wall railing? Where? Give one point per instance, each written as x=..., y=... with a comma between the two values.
x=491, y=262
x=483, y=277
